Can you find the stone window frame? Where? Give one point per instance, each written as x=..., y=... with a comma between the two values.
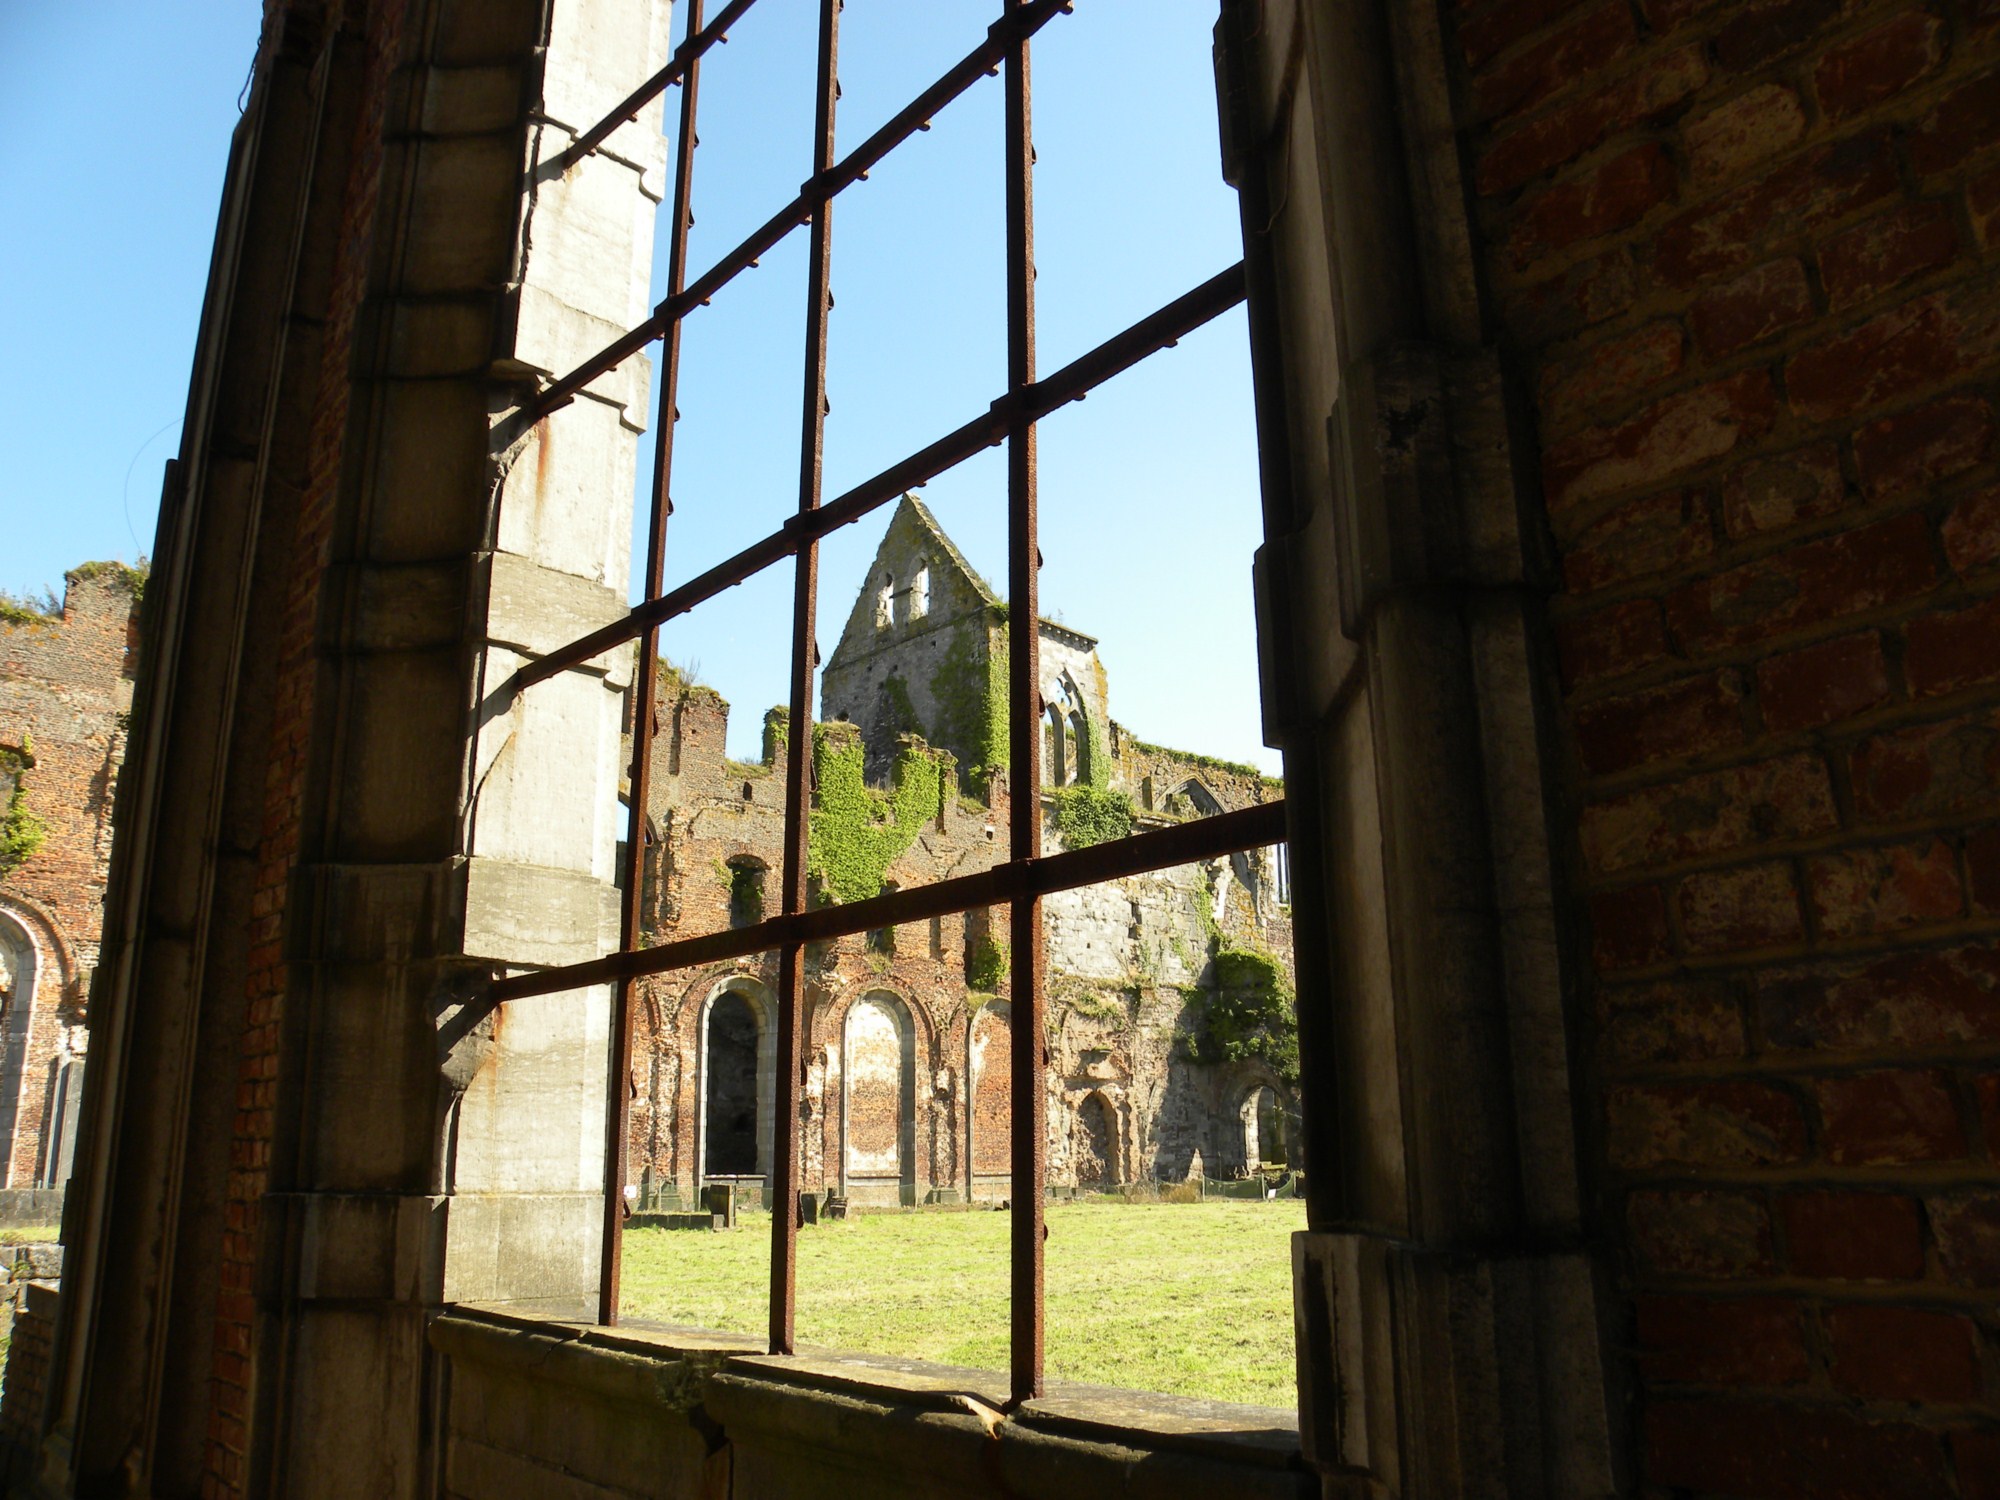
x=1020, y=881
x=1446, y=1290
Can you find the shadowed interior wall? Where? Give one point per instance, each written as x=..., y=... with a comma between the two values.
x=1746, y=255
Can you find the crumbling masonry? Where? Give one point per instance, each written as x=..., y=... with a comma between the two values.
x=65, y=692
x=907, y=1085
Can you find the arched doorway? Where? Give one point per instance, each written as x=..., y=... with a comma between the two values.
x=20, y=976
x=730, y=1137
x=878, y=1106
x=1266, y=1130
x=736, y=1082
x=1094, y=1142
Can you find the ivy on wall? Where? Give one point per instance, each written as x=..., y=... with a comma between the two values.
x=1251, y=1013
x=986, y=964
x=970, y=691
x=21, y=832
x=858, y=832
x=1099, y=760
x=1086, y=815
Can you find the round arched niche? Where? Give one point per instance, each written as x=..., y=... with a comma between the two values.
x=1269, y=1135
x=989, y=1064
x=37, y=1113
x=1094, y=1142
x=878, y=1105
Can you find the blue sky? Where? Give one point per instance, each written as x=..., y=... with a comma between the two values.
x=119, y=116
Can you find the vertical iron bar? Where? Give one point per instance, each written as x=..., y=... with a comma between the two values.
x=1027, y=1167
x=618, y=1106
x=785, y=1213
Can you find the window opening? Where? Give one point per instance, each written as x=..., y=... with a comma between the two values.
x=746, y=892
x=743, y=1039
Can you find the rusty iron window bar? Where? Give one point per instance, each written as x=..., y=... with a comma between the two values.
x=1020, y=881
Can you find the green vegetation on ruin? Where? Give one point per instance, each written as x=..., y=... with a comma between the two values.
x=1097, y=768
x=986, y=964
x=21, y=832
x=858, y=832
x=22, y=609
x=970, y=691
x=902, y=716
x=47, y=607
x=1086, y=815
x=1251, y=1012
x=777, y=731
x=132, y=576
x=1211, y=762
x=1192, y=1299
x=1096, y=1004
x=684, y=682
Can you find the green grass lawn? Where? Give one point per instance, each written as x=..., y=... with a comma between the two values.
x=1194, y=1299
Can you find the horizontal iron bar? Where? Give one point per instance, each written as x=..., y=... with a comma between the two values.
x=849, y=170
x=1071, y=383
x=675, y=70
x=1182, y=844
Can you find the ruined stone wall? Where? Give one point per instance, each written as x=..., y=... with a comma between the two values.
x=1747, y=254
x=907, y=1068
x=922, y=661
x=65, y=687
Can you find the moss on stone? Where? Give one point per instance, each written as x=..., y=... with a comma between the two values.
x=858, y=832
x=1211, y=762
x=131, y=576
x=1099, y=771
x=777, y=731
x=18, y=609
x=901, y=718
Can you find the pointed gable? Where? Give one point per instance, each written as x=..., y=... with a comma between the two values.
x=914, y=541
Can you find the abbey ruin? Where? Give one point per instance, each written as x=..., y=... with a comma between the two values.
x=65, y=693
x=1172, y=1047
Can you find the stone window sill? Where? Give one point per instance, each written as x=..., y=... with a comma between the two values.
x=827, y=1402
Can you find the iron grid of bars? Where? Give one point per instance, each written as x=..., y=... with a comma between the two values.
x=1026, y=875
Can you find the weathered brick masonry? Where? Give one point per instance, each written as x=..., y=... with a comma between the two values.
x=65, y=689
x=280, y=844
x=906, y=1032
x=1746, y=255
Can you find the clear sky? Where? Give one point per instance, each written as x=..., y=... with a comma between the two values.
x=119, y=114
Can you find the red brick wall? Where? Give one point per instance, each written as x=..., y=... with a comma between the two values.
x=66, y=685
x=992, y=1069
x=279, y=843
x=1746, y=253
